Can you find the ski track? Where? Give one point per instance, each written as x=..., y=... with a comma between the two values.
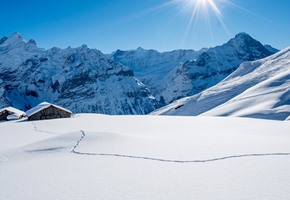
x=41, y=131
x=156, y=159
x=168, y=160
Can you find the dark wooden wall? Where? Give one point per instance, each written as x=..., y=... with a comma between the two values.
x=3, y=115
x=50, y=113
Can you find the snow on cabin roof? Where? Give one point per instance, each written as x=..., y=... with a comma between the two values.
x=13, y=110
x=42, y=106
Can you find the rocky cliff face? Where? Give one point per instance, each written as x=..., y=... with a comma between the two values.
x=151, y=66
x=184, y=73
x=80, y=79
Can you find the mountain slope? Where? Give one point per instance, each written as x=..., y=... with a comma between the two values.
x=211, y=67
x=80, y=79
x=151, y=66
x=271, y=49
x=259, y=89
x=177, y=74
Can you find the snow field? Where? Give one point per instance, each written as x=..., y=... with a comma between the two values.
x=37, y=162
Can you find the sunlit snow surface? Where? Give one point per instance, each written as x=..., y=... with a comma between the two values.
x=258, y=89
x=145, y=157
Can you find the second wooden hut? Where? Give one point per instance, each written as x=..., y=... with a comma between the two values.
x=47, y=111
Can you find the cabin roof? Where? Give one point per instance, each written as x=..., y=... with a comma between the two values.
x=13, y=110
x=43, y=106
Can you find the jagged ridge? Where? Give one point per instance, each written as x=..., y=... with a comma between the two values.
x=181, y=73
x=80, y=79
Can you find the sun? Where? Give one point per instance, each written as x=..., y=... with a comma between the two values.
x=197, y=5
x=203, y=2
x=202, y=9
x=200, y=18
x=212, y=5
x=202, y=13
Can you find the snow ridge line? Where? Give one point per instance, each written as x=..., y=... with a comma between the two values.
x=168, y=160
x=41, y=131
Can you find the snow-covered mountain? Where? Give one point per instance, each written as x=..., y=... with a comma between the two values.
x=150, y=66
x=80, y=79
x=211, y=67
x=85, y=80
x=258, y=89
x=177, y=74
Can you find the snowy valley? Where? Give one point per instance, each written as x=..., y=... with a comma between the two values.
x=145, y=157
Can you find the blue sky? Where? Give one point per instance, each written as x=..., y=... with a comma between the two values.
x=108, y=25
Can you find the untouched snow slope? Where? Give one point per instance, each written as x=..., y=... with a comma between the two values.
x=145, y=157
x=259, y=89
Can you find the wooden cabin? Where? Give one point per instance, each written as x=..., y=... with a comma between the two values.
x=11, y=113
x=47, y=111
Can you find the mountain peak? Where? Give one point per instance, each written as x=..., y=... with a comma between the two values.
x=243, y=42
x=140, y=49
x=242, y=35
x=16, y=36
x=243, y=39
x=32, y=42
x=15, y=39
